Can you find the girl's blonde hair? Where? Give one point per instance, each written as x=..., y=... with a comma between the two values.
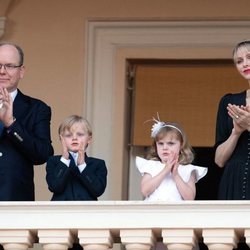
x=72, y=120
x=186, y=151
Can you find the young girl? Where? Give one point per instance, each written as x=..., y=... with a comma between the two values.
x=73, y=175
x=168, y=174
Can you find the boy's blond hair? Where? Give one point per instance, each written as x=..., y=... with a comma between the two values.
x=72, y=120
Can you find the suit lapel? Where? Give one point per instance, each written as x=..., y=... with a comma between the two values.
x=20, y=105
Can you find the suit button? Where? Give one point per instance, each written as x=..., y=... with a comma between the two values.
x=1, y=154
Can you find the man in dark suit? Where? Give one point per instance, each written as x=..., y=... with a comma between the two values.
x=24, y=130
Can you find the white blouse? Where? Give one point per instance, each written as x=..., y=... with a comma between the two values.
x=167, y=190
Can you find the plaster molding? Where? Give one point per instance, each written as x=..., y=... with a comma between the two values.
x=2, y=25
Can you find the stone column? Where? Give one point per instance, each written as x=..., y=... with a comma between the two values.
x=220, y=239
x=247, y=236
x=95, y=239
x=179, y=239
x=55, y=239
x=137, y=239
x=16, y=239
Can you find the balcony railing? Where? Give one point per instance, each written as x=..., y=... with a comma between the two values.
x=134, y=224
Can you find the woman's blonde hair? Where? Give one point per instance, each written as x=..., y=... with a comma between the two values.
x=186, y=152
x=245, y=44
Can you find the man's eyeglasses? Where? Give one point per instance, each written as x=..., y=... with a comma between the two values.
x=9, y=67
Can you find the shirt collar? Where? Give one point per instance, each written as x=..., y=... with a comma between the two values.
x=74, y=155
x=13, y=94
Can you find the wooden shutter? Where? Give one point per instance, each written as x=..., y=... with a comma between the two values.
x=187, y=92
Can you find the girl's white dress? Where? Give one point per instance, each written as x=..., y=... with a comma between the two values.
x=167, y=191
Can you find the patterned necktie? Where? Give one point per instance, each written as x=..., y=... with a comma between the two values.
x=1, y=128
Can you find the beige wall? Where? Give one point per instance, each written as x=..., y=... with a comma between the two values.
x=52, y=34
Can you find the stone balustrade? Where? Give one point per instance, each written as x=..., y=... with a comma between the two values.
x=136, y=225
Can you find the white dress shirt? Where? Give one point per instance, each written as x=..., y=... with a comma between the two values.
x=81, y=167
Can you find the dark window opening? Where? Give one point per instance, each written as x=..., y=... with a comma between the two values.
x=207, y=187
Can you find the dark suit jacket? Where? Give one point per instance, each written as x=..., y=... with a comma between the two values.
x=67, y=183
x=25, y=143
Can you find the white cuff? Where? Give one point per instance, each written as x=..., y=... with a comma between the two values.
x=82, y=167
x=65, y=161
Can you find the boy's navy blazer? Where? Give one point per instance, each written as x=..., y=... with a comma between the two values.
x=67, y=183
x=25, y=143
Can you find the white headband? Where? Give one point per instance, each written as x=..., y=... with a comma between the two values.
x=158, y=125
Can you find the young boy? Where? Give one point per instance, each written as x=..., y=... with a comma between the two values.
x=73, y=175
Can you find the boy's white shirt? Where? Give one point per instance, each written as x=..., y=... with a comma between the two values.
x=81, y=167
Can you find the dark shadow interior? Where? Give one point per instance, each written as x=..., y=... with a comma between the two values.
x=207, y=187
